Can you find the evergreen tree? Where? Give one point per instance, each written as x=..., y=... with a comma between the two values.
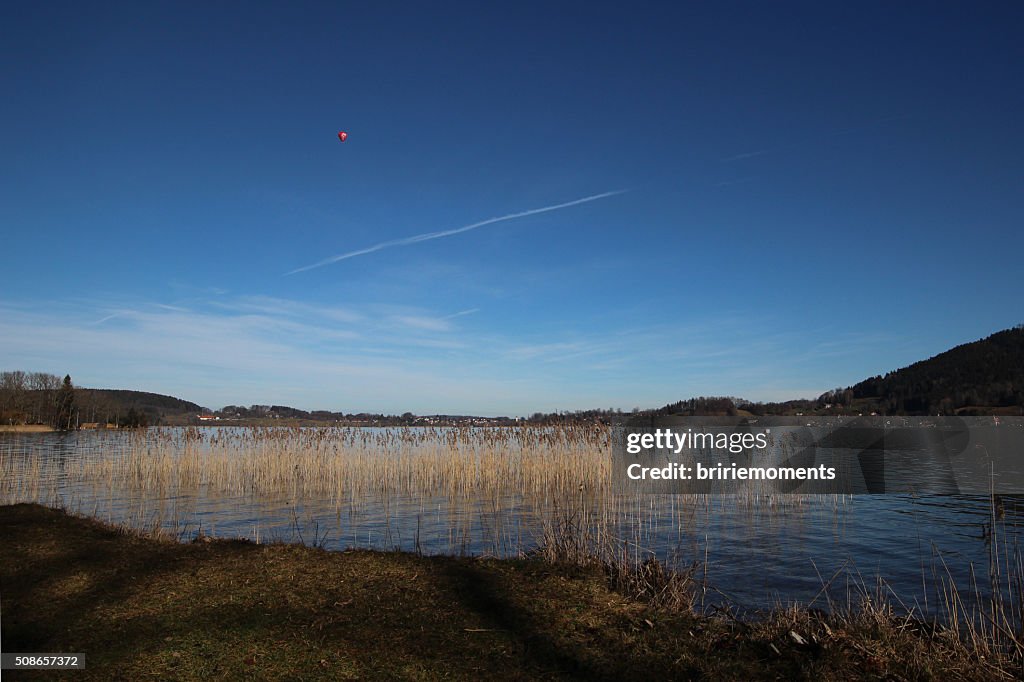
x=64, y=418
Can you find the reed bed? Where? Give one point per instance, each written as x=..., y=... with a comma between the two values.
x=343, y=463
x=510, y=491
x=502, y=489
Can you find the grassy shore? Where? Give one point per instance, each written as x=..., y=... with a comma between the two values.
x=25, y=428
x=142, y=608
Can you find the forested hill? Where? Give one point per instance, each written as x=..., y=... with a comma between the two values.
x=112, y=405
x=973, y=377
x=982, y=377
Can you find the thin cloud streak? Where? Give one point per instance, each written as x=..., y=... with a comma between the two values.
x=461, y=313
x=111, y=316
x=872, y=125
x=448, y=233
x=745, y=155
x=108, y=317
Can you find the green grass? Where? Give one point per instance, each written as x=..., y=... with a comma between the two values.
x=142, y=608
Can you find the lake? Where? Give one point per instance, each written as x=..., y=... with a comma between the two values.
x=501, y=492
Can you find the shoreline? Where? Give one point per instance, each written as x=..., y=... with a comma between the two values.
x=26, y=428
x=138, y=606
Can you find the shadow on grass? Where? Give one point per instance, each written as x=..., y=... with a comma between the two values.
x=60, y=570
x=482, y=593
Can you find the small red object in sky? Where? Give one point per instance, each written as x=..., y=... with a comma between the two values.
x=342, y=135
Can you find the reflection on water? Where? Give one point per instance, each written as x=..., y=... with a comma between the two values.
x=491, y=491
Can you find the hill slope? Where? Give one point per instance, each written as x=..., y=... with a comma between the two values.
x=112, y=405
x=974, y=377
x=981, y=377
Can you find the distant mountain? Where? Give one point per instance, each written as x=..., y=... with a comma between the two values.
x=984, y=376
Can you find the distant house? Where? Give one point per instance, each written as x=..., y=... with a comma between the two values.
x=208, y=418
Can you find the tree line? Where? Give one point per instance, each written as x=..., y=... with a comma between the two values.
x=30, y=398
x=37, y=398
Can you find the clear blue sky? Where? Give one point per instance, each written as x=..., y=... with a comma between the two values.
x=814, y=194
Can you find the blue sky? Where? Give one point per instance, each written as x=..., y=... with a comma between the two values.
x=805, y=195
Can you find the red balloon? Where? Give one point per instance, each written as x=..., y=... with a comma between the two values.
x=342, y=135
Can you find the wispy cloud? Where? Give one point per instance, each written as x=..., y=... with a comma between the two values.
x=277, y=307
x=461, y=313
x=393, y=357
x=813, y=138
x=110, y=317
x=249, y=349
x=745, y=155
x=448, y=233
x=432, y=324
x=436, y=324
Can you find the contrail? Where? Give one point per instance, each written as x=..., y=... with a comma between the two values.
x=448, y=233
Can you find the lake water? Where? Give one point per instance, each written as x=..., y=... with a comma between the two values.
x=755, y=551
